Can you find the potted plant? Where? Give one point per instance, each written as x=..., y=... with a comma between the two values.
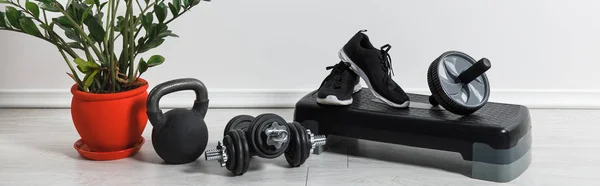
x=100, y=41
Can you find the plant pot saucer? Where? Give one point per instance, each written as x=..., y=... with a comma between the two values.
x=87, y=153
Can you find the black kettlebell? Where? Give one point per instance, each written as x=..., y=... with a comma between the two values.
x=180, y=135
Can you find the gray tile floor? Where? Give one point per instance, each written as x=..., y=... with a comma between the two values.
x=36, y=148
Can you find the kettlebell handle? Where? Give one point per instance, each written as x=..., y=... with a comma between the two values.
x=155, y=114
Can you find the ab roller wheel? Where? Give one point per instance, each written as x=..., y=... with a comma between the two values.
x=458, y=82
x=267, y=136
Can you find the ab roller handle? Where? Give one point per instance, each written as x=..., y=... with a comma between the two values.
x=475, y=71
x=156, y=116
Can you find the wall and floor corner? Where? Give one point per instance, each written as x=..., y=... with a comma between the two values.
x=269, y=53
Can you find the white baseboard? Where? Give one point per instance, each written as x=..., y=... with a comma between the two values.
x=263, y=98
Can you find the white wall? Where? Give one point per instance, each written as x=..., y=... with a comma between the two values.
x=537, y=48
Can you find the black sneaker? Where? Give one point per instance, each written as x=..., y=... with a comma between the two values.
x=375, y=67
x=338, y=86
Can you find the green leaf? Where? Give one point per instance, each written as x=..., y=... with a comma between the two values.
x=86, y=66
x=64, y=21
x=33, y=8
x=96, y=30
x=186, y=3
x=98, y=17
x=75, y=45
x=141, y=41
x=164, y=8
x=4, y=2
x=75, y=10
x=48, y=27
x=120, y=24
x=177, y=4
x=155, y=60
x=90, y=2
x=97, y=3
x=47, y=5
x=150, y=45
x=45, y=1
x=147, y=20
x=85, y=14
x=142, y=66
x=83, y=65
x=194, y=2
x=89, y=79
x=2, y=20
x=70, y=33
x=102, y=5
x=160, y=13
x=174, y=10
x=29, y=26
x=13, y=15
x=166, y=33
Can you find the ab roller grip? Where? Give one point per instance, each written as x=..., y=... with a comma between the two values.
x=267, y=136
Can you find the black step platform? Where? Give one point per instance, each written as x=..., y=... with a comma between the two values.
x=496, y=138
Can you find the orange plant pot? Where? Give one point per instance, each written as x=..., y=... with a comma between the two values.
x=110, y=122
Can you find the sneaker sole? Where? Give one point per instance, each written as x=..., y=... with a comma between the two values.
x=333, y=100
x=362, y=74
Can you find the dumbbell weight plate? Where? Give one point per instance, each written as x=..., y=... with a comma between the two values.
x=231, y=153
x=239, y=156
x=294, y=152
x=300, y=145
x=238, y=122
x=306, y=145
x=244, y=143
x=259, y=138
x=455, y=96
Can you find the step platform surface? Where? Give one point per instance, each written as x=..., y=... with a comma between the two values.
x=496, y=138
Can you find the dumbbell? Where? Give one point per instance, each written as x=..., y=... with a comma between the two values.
x=269, y=136
x=458, y=82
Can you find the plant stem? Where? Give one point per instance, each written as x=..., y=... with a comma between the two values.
x=111, y=44
x=45, y=21
x=108, y=26
x=113, y=71
x=131, y=42
x=138, y=3
x=88, y=55
x=64, y=44
x=125, y=51
x=81, y=32
x=77, y=80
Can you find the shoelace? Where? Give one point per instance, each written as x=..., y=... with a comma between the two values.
x=338, y=70
x=386, y=60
